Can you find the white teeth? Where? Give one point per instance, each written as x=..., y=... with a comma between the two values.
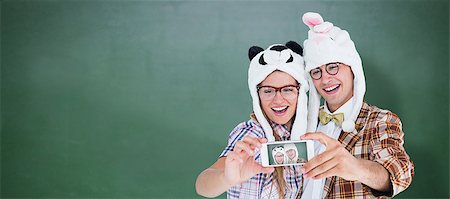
x=280, y=108
x=331, y=88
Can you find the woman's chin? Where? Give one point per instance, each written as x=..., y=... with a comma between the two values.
x=281, y=121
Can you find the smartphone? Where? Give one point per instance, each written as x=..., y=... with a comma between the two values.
x=286, y=153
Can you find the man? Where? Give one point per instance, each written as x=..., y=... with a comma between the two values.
x=291, y=153
x=359, y=148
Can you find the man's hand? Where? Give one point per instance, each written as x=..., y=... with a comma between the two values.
x=337, y=161
x=334, y=161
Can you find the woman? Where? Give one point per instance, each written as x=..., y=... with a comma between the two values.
x=278, y=154
x=278, y=88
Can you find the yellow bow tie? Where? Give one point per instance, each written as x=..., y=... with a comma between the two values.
x=337, y=118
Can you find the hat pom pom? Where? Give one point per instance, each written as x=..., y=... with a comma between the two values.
x=348, y=126
x=312, y=19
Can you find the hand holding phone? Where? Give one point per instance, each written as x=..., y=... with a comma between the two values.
x=286, y=153
x=240, y=164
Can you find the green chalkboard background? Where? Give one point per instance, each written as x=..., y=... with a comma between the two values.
x=123, y=99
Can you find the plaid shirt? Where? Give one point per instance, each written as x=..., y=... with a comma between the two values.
x=262, y=185
x=379, y=138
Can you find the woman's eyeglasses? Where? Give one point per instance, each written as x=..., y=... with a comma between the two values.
x=287, y=92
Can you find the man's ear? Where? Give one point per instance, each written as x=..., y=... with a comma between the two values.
x=253, y=51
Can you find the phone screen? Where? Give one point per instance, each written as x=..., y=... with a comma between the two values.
x=287, y=153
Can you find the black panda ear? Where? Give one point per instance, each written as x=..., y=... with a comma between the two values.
x=294, y=46
x=253, y=51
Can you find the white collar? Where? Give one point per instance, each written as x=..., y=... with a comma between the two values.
x=345, y=108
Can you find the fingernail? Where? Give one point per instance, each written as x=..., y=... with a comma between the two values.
x=303, y=170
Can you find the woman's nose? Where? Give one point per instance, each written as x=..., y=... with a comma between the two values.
x=278, y=97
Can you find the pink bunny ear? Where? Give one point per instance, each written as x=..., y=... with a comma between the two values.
x=312, y=19
x=323, y=27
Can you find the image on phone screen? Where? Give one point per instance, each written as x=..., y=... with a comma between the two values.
x=286, y=153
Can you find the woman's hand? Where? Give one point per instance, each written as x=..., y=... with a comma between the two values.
x=240, y=164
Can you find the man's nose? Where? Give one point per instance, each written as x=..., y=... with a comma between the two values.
x=325, y=77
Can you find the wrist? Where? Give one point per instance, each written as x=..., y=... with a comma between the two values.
x=374, y=175
x=360, y=170
x=225, y=180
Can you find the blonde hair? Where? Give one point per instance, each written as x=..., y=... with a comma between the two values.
x=279, y=171
x=279, y=174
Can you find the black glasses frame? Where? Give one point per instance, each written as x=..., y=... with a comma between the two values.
x=327, y=69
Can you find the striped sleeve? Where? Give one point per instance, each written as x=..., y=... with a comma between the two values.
x=389, y=152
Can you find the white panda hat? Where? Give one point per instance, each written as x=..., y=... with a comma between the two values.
x=287, y=58
x=278, y=149
x=326, y=44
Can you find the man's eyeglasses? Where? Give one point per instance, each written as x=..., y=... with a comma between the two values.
x=331, y=68
x=287, y=92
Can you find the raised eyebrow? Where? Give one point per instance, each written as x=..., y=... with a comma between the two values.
x=267, y=87
x=331, y=64
x=315, y=70
x=293, y=85
x=289, y=85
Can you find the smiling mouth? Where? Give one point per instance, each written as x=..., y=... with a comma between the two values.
x=331, y=88
x=280, y=110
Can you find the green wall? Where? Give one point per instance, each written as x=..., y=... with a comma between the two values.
x=123, y=99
